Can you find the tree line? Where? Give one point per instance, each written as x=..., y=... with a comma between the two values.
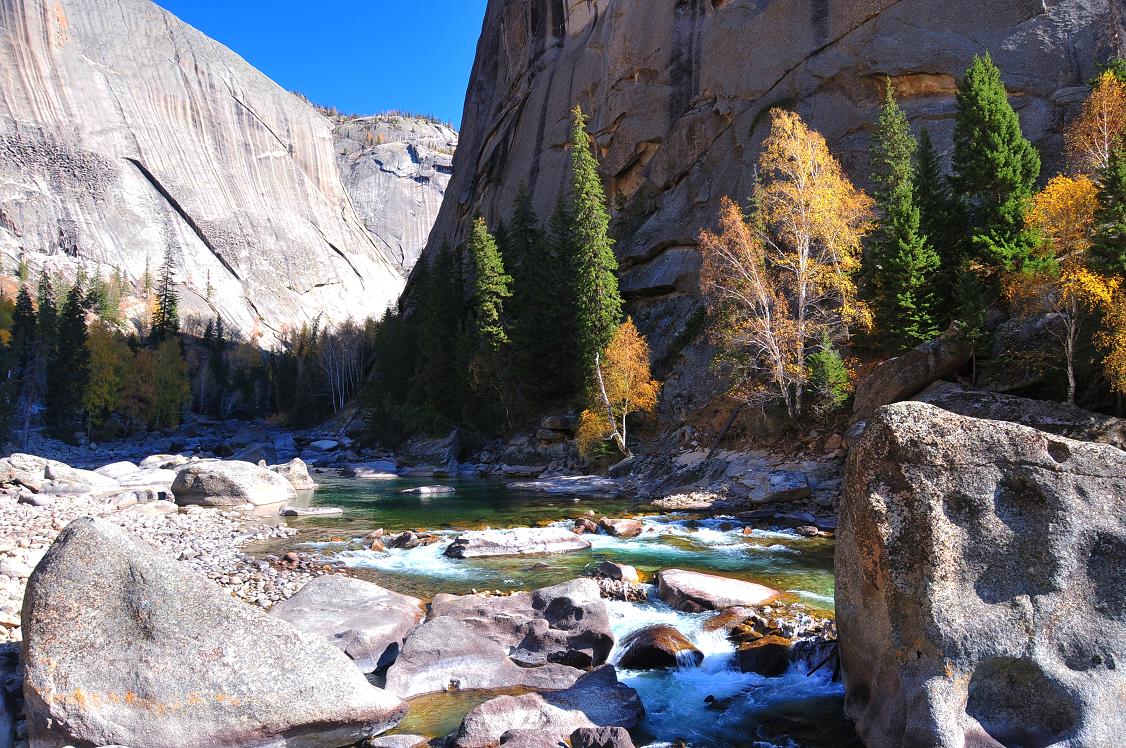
x=813, y=264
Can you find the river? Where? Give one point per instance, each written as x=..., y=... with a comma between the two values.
x=744, y=709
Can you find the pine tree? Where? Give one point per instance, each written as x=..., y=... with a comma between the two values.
x=900, y=264
x=593, y=266
x=69, y=372
x=995, y=169
x=491, y=287
x=166, y=316
x=23, y=330
x=941, y=221
x=1108, y=246
x=439, y=332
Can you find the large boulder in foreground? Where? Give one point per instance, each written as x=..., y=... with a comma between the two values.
x=981, y=584
x=124, y=646
x=448, y=655
x=520, y=541
x=366, y=621
x=1062, y=419
x=225, y=484
x=596, y=700
x=693, y=592
x=905, y=376
x=565, y=623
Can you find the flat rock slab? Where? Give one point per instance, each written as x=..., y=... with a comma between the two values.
x=575, y=484
x=692, y=591
x=310, y=511
x=595, y=700
x=366, y=621
x=125, y=646
x=429, y=490
x=520, y=541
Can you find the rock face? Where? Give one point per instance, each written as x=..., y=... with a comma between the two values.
x=981, y=591
x=596, y=700
x=693, y=592
x=396, y=169
x=232, y=483
x=520, y=541
x=678, y=90
x=366, y=621
x=125, y=132
x=124, y=646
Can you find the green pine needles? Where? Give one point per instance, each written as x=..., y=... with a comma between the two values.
x=1108, y=246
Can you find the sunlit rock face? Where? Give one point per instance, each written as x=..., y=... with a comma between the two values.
x=124, y=131
x=678, y=93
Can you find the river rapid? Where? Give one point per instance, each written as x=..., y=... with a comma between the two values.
x=707, y=705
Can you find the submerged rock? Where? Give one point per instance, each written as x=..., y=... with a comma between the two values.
x=520, y=541
x=595, y=700
x=981, y=584
x=692, y=591
x=655, y=647
x=588, y=485
x=448, y=654
x=619, y=572
x=565, y=623
x=223, y=484
x=367, y=622
x=429, y=490
x=621, y=528
x=124, y=646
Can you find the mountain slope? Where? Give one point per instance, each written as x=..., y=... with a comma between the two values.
x=124, y=131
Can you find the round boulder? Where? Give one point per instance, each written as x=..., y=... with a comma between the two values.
x=226, y=484
x=655, y=647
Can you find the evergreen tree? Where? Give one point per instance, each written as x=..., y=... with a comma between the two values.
x=1108, y=246
x=166, y=316
x=900, y=265
x=593, y=267
x=995, y=169
x=69, y=372
x=23, y=330
x=439, y=328
x=488, y=328
x=941, y=221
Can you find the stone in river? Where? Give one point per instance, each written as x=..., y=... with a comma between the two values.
x=428, y=490
x=981, y=584
x=445, y=653
x=521, y=541
x=324, y=445
x=123, y=645
x=601, y=737
x=398, y=741
x=565, y=623
x=692, y=591
x=223, y=484
x=621, y=528
x=654, y=647
x=619, y=572
x=366, y=621
x=596, y=699
x=768, y=656
x=297, y=473
x=595, y=485
x=310, y=511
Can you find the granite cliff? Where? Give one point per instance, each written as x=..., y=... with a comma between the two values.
x=678, y=90
x=124, y=131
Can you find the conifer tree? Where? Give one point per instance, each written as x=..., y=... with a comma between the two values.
x=166, y=316
x=593, y=266
x=900, y=264
x=69, y=372
x=23, y=330
x=491, y=287
x=995, y=169
x=439, y=327
x=941, y=221
x=561, y=349
x=1108, y=246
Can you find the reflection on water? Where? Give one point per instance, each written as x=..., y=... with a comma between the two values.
x=710, y=705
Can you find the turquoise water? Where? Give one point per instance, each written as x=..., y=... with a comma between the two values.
x=744, y=709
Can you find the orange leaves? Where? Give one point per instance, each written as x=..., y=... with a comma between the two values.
x=1064, y=212
x=623, y=385
x=1094, y=133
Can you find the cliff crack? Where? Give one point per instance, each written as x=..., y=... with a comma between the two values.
x=260, y=121
x=175, y=205
x=343, y=256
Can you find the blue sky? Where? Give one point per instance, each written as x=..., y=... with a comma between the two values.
x=361, y=56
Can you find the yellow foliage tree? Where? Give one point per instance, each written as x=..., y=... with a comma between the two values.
x=1064, y=212
x=784, y=279
x=1095, y=132
x=623, y=385
x=110, y=360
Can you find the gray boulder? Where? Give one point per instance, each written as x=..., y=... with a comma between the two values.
x=122, y=645
x=223, y=484
x=981, y=584
x=366, y=621
x=156, y=478
x=595, y=700
x=655, y=647
x=519, y=541
x=1062, y=419
x=565, y=623
x=163, y=462
x=904, y=377
x=601, y=737
x=694, y=592
x=297, y=473
x=117, y=469
x=448, y=654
